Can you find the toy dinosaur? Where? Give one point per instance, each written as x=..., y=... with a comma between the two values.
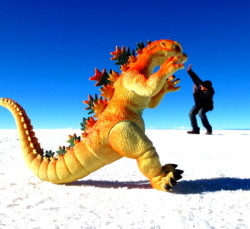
x=117, y=129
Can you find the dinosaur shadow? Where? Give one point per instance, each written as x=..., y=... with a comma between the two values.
x=212, y=185
x=183, y=187
x=113, y=184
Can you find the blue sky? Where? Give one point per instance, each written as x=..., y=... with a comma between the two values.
x=49, y=49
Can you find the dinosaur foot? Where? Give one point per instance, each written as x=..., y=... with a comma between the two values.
x=167, y=179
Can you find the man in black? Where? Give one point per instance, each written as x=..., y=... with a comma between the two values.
x=203, y=97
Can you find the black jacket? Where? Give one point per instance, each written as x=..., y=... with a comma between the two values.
x=203, y=99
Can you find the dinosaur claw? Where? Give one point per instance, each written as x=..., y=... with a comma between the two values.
x=177, y=177
x=179, y=171
x=173, y=181
x=168, y=187
x=174, y=165
x=177, y=174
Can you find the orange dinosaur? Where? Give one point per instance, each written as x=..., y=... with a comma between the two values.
x=117, y=128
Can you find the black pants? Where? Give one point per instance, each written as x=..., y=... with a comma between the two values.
x=202, y=113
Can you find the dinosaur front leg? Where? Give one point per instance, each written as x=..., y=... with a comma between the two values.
x=169, y=86
x=128, y=139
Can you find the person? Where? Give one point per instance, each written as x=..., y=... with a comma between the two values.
x=203, y=97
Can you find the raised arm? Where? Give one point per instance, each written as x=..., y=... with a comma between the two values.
x=195, y=78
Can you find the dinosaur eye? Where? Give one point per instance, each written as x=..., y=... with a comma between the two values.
x=171, y=45
x=177, y=47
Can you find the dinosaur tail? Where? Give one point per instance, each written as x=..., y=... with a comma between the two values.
x=66, y=168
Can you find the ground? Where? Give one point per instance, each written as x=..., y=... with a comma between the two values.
x=214, y=191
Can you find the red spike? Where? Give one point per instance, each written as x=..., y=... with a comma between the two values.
x=117, y=52
x=98, y=75
x=90, y=122
x=90, y=98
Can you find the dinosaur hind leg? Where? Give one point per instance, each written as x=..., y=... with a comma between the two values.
x=133, y=143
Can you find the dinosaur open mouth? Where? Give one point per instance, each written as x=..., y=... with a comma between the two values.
x=182, y=59
x=178, y=59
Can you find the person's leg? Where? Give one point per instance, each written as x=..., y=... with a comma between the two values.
x=192, y=115
x=204, y=120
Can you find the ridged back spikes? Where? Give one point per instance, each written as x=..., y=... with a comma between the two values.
x=96, y=105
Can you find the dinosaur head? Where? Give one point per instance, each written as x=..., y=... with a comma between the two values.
x=156, y=53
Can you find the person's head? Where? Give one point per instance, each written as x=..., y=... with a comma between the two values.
x=206, y=85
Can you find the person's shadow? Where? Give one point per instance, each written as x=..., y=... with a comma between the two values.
x=183, y=187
